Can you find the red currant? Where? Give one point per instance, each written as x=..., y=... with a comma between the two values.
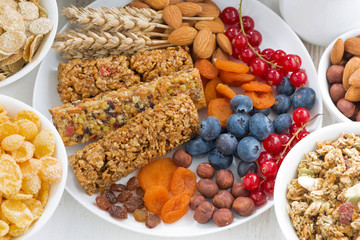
x=240, y=41
x=268, y=54
x=291, y=63
x=236, y=53
x=248, y=23
x=298, y=59
x=273, y=143
x=265, y=156
x=251, y=181
x=298, y=78
x=279, y=56
x=269, y=168
x=232, y=32
x=273, y=76
x=254, y=37
x=303, y=134
x=230, y=16
x=284, y=138
x=268, y=185
x=258, y=196
x=294, y=128
x=258, y=66
x=301, y=116
x=247, y=55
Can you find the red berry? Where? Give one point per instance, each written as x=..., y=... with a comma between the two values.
x=254, y=37
x=230, y=16
x=232, y=32
x=284, y=138
x=269, y=168
x=273, y=143
x=293, y=128
x=291, y=63
x=268, y=185
x=248, y=23
x=240, y=41
x=236, y=53
x=247, y=55
x=279, y=56
x=258, y=66
x=298, y=59
x=298, y=78
x=273, y=76
x=301, y=116
x=258, y=196
x=268, y=54
x=251, y=181
x=265, y=156
x=303, y=134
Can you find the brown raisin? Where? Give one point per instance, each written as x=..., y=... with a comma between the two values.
x=346, y=212
x=140, y=192
x=123, y=196
x=118, y=212
x=133, y=184
x=110, y=196
x=134, y=203
x=140, y=215
x=102, y=202
x=117, y=187
x=152, y=221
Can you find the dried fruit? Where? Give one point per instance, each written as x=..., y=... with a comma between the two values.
x=206, y=68
x=352, y=45
x=189, y=9
x=220, y=108
x=231, y=66
x=102, y=202
x=337, y=52
x=140, y=215
x=183, y=181
x=133, y=183
x=182, y=36
x=175, y=208
x=214, y=27
x=152, y=220
x=210, y=90
x=224, y=43
x=155, y=198
x=117, y=212
x=172, y=16
x=134, y=203
x=123, y=196
x=346, y=211
x=110, y=196
x=204, y=43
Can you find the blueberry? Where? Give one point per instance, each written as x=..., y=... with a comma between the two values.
x=260, y=126
x=238, y=125
x=285, y=87
x=304, y=97
x=282, y=104
x=249, y=149
x=210, y=128
x=236, y=154
x=219, y=160
x=226, y=143
x=246, y=167
x=265, y=111
x=241, y=104
x=198, y=147
x=282, y=123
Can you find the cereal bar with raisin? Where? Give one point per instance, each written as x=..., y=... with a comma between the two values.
x=150, y=134
x=93, y=118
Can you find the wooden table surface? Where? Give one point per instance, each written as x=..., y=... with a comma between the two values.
x=72, y=221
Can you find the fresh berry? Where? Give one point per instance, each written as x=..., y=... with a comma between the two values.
x=226, y=143
x=268, y=53
x=279, y=56
x=273, y=76
x=258, y=196
x=238, y=125
x=303, y=134
x=240, y=41
x=285, y=87
x=265, y=156
x=241, y=103
x=291, y=63
x=249, y=149
x=251, y=181
x=282, y=123
x=247, y=55
x=260, y=126
x=232, y=32
x=248, y=23
x=219, y=160
x=294, y=128
x=304, y=97
x=254, y=37
x=265, y=111
x=298, y=78
x=246, y=167
x=236, y=53
x=230, y=16
x=269, y=168
x=268, y=185
x=198, y=147
x=282, y=104
x=301, y=116
x=258, y=66
x=273, y=143
x=210, y=128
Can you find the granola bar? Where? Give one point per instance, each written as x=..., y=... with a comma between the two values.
x=150, y=134
x=93, y=118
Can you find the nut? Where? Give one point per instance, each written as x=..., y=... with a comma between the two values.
x=334, y=74
x=244, y=206
x=352, y=45
x=238, y=190
x=354, y=79
x=224, y=43
x=337, y=52
x=346, y=107
x=204, y=212
x=337, y=92
x=219, y=54
x=172, y=16
x=223, y=199
x=157, y=4
x=195, y=201
x=205, y=170
x=207, y=187
x=353, y=94
x=208, y=10
x=182, y=36
x=214, y=27
x=138, y=5
x=224, y=178
x=223, y=217
x=189, y=9
x=351, y=66
x=181, y=158
x=204, y=43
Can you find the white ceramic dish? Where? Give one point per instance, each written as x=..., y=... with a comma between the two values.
x=53, y=14
x=12, y=106
x=289, y=166
x=324, y=84
x=276, y=34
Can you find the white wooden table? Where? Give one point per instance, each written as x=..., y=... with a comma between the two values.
x=72, y=221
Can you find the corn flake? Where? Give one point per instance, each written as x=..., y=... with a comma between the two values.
x=12, y=142
x=10, y=175
x=51, y=170
x=24, y=153
x=35, y=207
x=31, y=184
x=17, y=212
x=4, y=228
x=44, y=143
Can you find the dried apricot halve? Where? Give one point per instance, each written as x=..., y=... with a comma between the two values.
x=258, y=86
x=261, y=100
x=210, y=89
x=225, y=91
x=231, y=66
x=183, y=181
x=155, y=198
x=235, y=79
x=220, y=108
x=206, y=68
x=175, y=208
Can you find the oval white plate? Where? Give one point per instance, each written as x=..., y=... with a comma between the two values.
x=276, y=34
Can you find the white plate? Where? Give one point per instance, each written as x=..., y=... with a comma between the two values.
x=276, y=34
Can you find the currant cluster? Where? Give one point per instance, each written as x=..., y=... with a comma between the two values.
x=269, y=64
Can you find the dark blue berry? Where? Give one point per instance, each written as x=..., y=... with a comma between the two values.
x=246, y=167
x=285, y=87
x=249, y=149
x=219, y=160
x=304, y=97
x=282, y=104
x=226, y=143
x=265, y=111
x=238, y=125
x=198, y=147
x=260, y=126
x=282, y=123
x=210, y=128
x=241, y=104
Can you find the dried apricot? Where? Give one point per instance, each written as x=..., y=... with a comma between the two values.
x=258, y=86
x=206, y=68
x=210, y=89
x=175, y=208
x=231, y=66
x=261, y=100
x=235, y=79
x=225, y=91
x=220, y=108
x=183, y=181
x=157, y=173
x=155, y=198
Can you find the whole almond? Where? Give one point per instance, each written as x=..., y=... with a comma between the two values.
x=172, y=2
x=172, y=16
x=157, y=4
x=183, y=36
x=337, y=52
x=212, y=3
x=208, y=10
x=138, y=5
x=191, y=22
x=352, y=45
x=194, y=1
x=189, y=9
x=353, y=94
x=354, y=79
x=351, y=66
x=204, y=43
x=219, y=54
x=224, y=43
x=218, y=20
x=212, y=25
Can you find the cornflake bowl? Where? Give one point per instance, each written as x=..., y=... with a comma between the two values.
x=324, y=84
x=53, y=14
x=12, y=106
x=290, y=164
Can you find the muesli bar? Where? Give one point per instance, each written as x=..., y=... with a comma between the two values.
x=150, y=134
x=90, y=119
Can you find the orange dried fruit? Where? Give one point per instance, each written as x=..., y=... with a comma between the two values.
x=175, y=208
x=210, y=89
x=220, y=108
x=206, y=68
x=183, y=181
x=225, y=91
x=235, y=79
x=258, y=86
x=261, y=100
x=155, y=198
x=231, y=66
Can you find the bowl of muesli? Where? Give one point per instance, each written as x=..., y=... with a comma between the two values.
x=317, y=190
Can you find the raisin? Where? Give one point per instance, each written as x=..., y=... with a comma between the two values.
x=346, y=212
x=140, y=192
x=134, y=203
x=117, y=187
x=132, y=184
x=118, y=212
x=110, y=196
x=123, y=196
x=152, y=221
x=140, y=215
x=102, y=202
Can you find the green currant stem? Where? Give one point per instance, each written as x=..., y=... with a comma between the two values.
x=241, y=22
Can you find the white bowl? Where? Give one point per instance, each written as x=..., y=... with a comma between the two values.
x=324, y=84
x=53, y=14
x=288, y=169
x=12, y=106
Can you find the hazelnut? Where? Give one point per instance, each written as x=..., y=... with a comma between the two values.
x=244, y=206
x=207, y=187
x=223, y=217
x=181, y=158
x=204, y=212
x=205, y=170
x=223, y=199
x=238, y=190
x=195, y=201
x=224, y=179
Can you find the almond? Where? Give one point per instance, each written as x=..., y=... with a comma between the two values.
x=208, y=10
x=218, y=20
x=353, y=94
x=351, y=66
x=352, y=45
x=212, y=3
x=191, y=22
x=212, y=25
x=354, y=79
x=173, y=2
x=224, y=43
x=157, y=4
x=183, y=36
x=138, y=5
x=204, y=43
x=219, y=54
x=189, y=9
x=337, y=52
x=172, y=16
x=194, y=1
